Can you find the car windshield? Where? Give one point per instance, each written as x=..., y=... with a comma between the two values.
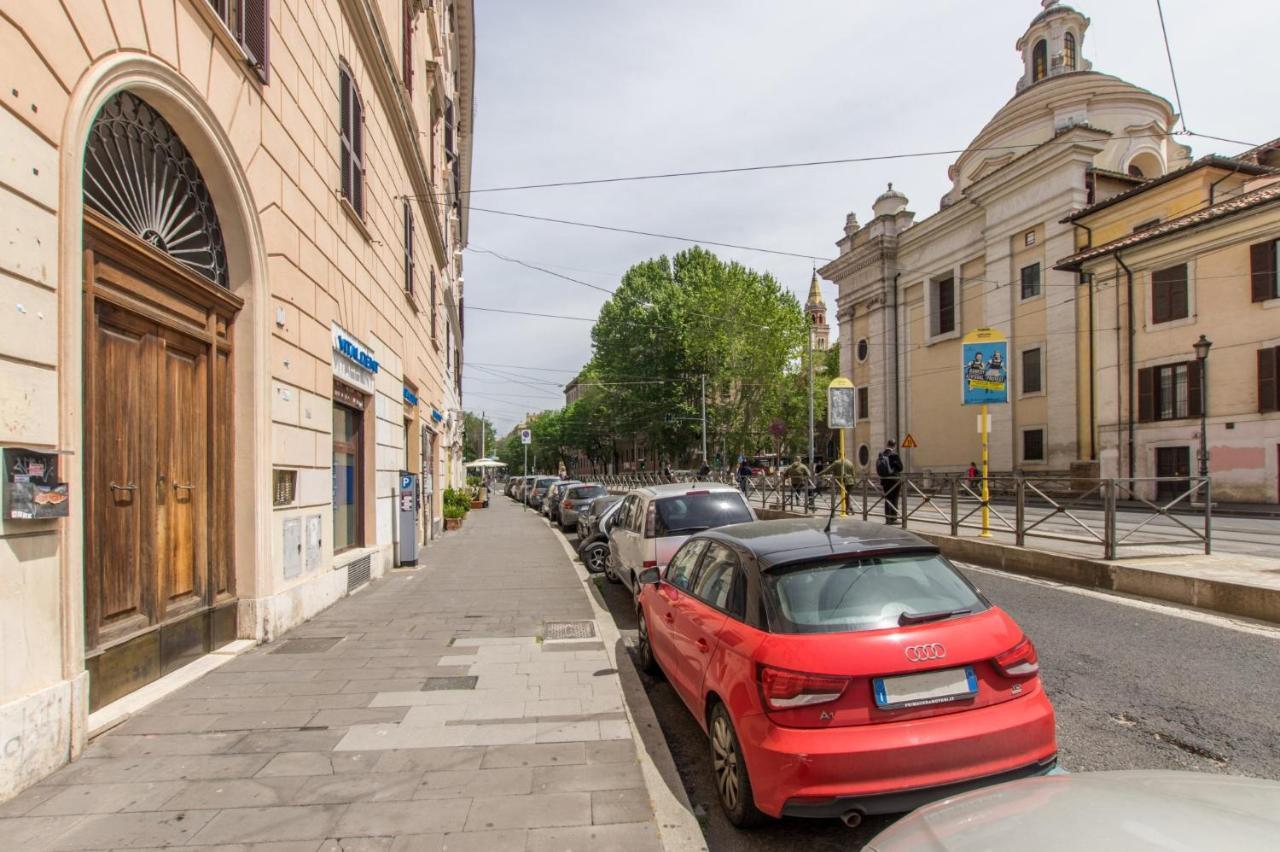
x=867, y=594
x=585, y=492
x=690, y=513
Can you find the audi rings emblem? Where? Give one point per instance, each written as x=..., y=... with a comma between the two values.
x=924, y=653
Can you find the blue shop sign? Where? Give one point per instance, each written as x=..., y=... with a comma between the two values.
x=436, y=415
x=410, y=397
x=356, y=353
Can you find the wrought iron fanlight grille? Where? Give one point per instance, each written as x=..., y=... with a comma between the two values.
x=138, y=173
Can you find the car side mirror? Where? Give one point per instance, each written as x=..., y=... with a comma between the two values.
x=648, y=577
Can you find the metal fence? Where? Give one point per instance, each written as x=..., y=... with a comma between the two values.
x=1112, y=514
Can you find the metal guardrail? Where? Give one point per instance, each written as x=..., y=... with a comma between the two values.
x=1110, y=513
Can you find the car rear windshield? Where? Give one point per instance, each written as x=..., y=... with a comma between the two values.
x=691, y=513
x=582, y=492
x=867, y=594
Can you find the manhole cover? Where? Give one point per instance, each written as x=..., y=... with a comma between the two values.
x=456, y=682
x=562, y=630
x=315, y=645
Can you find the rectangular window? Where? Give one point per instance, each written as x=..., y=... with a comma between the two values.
x=944, y=306
x=864, y=403
x=408, y=246
x=1033, y=445
x=1269, y=379
x=348, y=473
x=1032, y=378
x=1031, y=281
x=406, y=59
x=1264, y=278
x=1169, y=392
x=351, y=111
x=435, y=337
x=249, y=22
x=1169, y=294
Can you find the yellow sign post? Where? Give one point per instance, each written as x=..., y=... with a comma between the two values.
x=841, y=400
x=986, y=381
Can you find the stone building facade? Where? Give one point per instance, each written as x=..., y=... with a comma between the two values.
x=909, y=290
x=232, y=295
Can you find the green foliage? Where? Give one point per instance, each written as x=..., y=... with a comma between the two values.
x=456, y=503
x=473, y=427
x=474, y=481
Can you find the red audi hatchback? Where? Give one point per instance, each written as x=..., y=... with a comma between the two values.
x=844, y=672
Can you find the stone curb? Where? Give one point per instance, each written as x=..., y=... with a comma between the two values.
x=678, y=828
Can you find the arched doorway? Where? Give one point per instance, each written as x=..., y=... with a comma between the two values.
x=159, y=579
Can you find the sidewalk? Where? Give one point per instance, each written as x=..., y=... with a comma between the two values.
x=433, y=710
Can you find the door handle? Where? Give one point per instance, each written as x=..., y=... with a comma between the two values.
x=703, y=645
x=129, y=487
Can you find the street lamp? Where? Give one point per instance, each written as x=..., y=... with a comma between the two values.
x=1201, y=348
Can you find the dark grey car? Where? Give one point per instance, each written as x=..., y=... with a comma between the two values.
x=551, y=502
x=536, y=490
x=593, y=542
x=574, y=500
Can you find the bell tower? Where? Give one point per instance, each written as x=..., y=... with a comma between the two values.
x=815, y=310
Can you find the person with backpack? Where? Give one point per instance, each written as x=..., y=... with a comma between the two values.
x=889, y=470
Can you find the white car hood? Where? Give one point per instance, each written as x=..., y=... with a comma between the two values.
x=1100, y=812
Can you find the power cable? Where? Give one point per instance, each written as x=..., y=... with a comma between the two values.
x=1168, y=51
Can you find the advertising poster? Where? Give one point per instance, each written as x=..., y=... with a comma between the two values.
x=840, y=404
x=986, y=367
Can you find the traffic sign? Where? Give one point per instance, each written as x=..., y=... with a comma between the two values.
x=526, y=436
x=909, y=442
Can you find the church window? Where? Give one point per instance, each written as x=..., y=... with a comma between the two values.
x=1069, y=52
x=1039, y=61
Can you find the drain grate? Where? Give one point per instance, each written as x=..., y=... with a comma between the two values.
x=553, y=631
x=313, y=645
x=455, y=682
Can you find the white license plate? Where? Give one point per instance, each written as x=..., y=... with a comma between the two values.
x=917, y=690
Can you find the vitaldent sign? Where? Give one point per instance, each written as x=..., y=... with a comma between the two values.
x=352, y=361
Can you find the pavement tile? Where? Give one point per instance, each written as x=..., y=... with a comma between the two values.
x=256, y=825
x=545, y=754
x=312, y=687
x=494, y=710
x=36, y=832
x=234, y=793
x=342, y=718
x=455, y=784
x=611, y=751
x=562, y=732
x=507, y=840
x=257, y=721
x=357, y=844
x=398, y=684
x=531, y=811
x=78, y=799
x=553, y=707
x=633, y=837
x=614, y=806
x=492, y=735
x=615, y=729
x=554, y=691
x=278, y=741
x=168, y=768
x=154, y=724
x=368, y=787
x=154, y=828
x=431, y=716
x=148, y=745
x=328, y=701
x=297, y=763
x=393, y=818
x=585, y=779
x=457, y=660
x=430, y=759
x=215, y=706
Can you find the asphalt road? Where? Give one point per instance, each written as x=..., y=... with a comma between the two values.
x=1135, y=686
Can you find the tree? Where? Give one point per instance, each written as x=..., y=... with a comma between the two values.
x=473, y=427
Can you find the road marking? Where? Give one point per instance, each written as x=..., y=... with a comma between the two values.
x=1215, y=620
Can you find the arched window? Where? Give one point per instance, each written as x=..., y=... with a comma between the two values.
x=1069, y=52
x=1135, y=170
x=1039, y=61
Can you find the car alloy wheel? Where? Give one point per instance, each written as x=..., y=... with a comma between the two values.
x=648, y=662
x=732, y=782
x=597, y=558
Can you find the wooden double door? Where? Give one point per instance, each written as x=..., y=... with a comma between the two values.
x=159, y=584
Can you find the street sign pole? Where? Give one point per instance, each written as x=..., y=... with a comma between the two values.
x=986, y=494
x=985, y=365
x=842, y=415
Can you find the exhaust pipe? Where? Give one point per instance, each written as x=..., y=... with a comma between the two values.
x=851, y=819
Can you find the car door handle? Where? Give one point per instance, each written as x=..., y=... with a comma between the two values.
x=703, y=645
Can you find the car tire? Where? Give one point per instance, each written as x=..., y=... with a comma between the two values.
x=733, y=785
x=647, y=662
x=609, y=573
x=596, y=558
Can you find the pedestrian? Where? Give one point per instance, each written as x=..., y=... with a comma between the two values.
x=744, y=473
x=973, y=471
x=666, y=473
x=705, y=470
x=798, y=474
x=889, y=470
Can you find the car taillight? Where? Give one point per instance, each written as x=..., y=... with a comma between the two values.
x=1019, y=661
x=566, y=505
x=649, y=563
x=783, y=690
x=650, y=520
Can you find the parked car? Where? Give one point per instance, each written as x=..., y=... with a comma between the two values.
x=588, y=518
x=593, y=543
x=1126, y=811
x=517, y=490
x=657, y=519
x=842, y=673
x=537, y=490
x=551, y=502
x=576, y=499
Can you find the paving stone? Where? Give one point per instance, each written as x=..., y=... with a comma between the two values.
x=278, y=741
x=257, y=825
x=585, y=779
x=367, y=787
x=328, y=701
x=156, y=724
x=107, y=831
x=611, y=751
x=633, y=837
x=613, y=806
x=357, y=844
x=531, y=811
x=314, y=687
x=495, y=710
x=36, y=832
x=507, y=840
x=430, y=759
x=393, y=818
x=455, y=784
x=261, y=720
x=340, y=718
x=546, y=754
x=398, y=684
x=171, y=768
x=553, y=707
x=79, y=799
x=561, y=732
x=147, y=745
x=235, y=793
x=618, y=729
x=297, y=763
x=25, y=801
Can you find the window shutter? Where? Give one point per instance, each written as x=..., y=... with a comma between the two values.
x=1268, y=394
x=256, y=38
x=407, y=72
x=1146, y=395
x=408, y=246
x=344, y=130
x=1195, y=390
x=357, y=149
x=1262, y=271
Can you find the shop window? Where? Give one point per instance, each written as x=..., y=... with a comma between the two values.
x=348, y=470
x=1169, y=294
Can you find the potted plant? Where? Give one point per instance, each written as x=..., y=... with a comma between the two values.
x=479, y=499
x=456, y=504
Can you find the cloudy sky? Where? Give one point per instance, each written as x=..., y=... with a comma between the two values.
x=573, y=89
